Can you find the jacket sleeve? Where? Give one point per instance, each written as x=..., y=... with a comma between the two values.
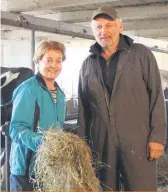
x=83, y=107
x=22, y=122
x=156, y=99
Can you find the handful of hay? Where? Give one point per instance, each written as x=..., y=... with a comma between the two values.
x=64, y=163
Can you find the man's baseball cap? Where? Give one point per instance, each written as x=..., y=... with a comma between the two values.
x=109, y=11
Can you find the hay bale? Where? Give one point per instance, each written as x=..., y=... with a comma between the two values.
x=64, y=162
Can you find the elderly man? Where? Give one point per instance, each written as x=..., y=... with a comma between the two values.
x=121, y=106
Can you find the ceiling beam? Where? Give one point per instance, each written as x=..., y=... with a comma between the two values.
x=158, y=10
x=149, y=33
x=24, y=34
x=45, y=25
x=146, y=24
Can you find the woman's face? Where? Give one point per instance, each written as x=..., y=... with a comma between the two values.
x=50, y=65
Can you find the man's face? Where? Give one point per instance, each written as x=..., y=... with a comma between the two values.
x=106, y=31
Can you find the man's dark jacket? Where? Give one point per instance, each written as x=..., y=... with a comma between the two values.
x=135, y=113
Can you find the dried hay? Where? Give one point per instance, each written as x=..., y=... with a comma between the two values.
x=162, y=171
x=64, y=163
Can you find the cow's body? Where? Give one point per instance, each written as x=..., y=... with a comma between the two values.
x=10, y=79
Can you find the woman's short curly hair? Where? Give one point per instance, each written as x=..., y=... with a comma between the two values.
x=46, y=46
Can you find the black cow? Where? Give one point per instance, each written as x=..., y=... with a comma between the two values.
x=10, y=79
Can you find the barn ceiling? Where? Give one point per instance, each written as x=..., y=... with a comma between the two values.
x=70, y=19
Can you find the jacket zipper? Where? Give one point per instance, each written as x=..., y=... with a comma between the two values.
x=107, y=102
x=104, y=90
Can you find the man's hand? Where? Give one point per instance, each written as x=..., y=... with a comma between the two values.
x=155, y=150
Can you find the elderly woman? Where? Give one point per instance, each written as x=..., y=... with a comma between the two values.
x=40, y=91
